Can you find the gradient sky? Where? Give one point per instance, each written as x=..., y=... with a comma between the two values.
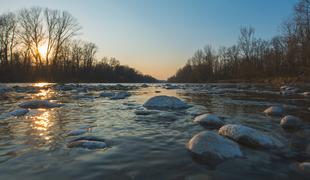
x=158, y=36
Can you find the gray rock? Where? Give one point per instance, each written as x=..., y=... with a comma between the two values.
x=274, y=111
x=165, y=102
x=86, y=144
x=145, y=112
x=120, y=95
x=209, y=120
x=36, y=104
x=213, y=148
x=76, y=132
x=106, y=94
x=249, y=136
x=290, y=122
x=19, y=112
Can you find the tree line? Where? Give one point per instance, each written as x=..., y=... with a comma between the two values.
x=39, y=44
x=286, y=55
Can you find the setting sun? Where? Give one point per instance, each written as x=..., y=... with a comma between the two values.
x=43, y=50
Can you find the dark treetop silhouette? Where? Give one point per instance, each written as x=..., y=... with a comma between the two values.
x=286, y=55
x=37, y=44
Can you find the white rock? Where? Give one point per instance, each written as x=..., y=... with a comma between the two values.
x=290, y=122
x=249, y=136
x=274, y=111
x=165, y=102
x=39, y=104
x=120, y=95
x=209, y=120
x=213, y=148
x=19, y=112
x=87, y=144
x=305, y=166
x=76, y=132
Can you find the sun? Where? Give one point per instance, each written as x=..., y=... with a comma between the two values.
x=43, y=50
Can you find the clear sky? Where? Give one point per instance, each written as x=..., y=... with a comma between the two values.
x=157, y=36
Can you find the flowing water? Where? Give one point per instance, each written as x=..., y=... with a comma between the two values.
x=34, y=146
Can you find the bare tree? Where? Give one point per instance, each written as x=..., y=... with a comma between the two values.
x=66, y=27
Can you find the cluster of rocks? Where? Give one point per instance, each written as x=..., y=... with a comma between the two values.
x=25, y=106
x=215, y=146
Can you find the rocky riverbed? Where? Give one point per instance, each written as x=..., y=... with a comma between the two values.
x=154, y=131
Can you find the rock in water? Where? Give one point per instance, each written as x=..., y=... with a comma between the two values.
x=120, y=95
x=249, y=136
x=165, y=102
x=305, y=166
x=106, y=94
x=274, y=111
x=19, y=112
x=87, y=144
x=290, y=122
x=39, y=104
x=76, y=132
x=213, y=148
x=145, y=112
x=209, y=121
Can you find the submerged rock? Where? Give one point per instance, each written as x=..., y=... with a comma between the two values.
x=274, y=111
x=120, y=95
x=209, y=121
x=19, y=112
x=290, y=122
x=87, y=144
x=36, y=104
x=213, y=148
x=145, y=112
x=165, y=102
x=249, y=136
x=106, y=94
x=76, y=132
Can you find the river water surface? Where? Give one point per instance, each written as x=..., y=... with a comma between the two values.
x=34, y=146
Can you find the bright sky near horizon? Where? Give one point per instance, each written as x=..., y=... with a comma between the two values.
x=158, y=36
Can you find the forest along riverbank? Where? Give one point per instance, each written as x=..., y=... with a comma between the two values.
x=219, y=130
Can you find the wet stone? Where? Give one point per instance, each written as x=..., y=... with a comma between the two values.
x=209, y=121
x=274, y=111
x=213, y=148
x=36, y=104
x=249, y=136
x=165, y=102
x=290, y=122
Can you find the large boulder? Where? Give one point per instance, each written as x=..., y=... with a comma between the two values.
x=165, y=102
x=249, y=136
x=209, y=121
x=213, y=148
x=36, y=104
x=290, y=122
x=274, y=111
